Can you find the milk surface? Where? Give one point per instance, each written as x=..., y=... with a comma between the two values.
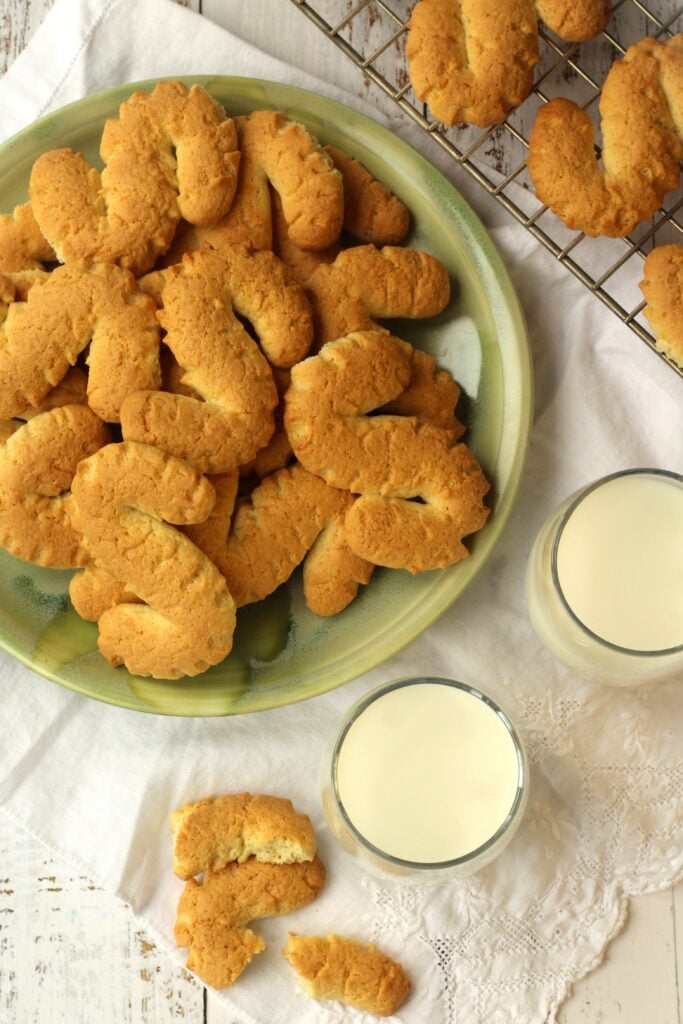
x=620, y=562
x=428, y=772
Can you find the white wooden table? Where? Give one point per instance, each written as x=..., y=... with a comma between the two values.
x=71, y=953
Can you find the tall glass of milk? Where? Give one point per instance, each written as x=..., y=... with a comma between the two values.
x=605, y=579
x=424, y=778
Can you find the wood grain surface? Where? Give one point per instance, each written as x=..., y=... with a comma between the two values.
x=70, y=952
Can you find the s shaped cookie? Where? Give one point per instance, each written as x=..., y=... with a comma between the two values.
x=37, y=465
x=222, y=363
x=473, y=60
x=213, y=917
x=126, y=495
x=270, y=532
x=641, y=110
x=388, y=460
x=75, y=305
x=365, y=282
x=170, y=153
x=282, y=153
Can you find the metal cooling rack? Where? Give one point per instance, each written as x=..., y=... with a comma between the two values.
x=496, y=157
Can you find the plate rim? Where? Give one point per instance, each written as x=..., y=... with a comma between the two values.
x=475, y=238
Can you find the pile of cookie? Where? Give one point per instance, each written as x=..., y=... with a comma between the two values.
x=474, y=62
x=257, y=858
x=195, y=392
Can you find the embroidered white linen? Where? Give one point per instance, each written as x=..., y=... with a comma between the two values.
x=604, y=819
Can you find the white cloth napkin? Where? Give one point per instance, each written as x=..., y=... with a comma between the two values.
x=604, y=820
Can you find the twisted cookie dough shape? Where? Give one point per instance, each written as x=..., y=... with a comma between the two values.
x=37, y=466
x=171, y=153
x=473, y=60
x=123, y=495
x=365, y=282
x=222, y=364
x=213, y=916
x=372, y=214
x=386, y=459
x=77, y=304
x=270, y=532
x=279, y=152
x=641, y=108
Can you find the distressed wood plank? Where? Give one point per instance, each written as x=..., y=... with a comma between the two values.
x=677, y=918
x=638, y=980
x=18, y=21
x=71, y=952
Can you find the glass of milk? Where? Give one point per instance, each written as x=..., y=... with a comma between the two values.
x=424, y=779
x=605, y=579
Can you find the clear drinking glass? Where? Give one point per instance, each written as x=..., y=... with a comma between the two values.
x=413, y=762
x=620, y=598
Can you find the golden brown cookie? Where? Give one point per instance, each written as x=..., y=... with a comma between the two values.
x=334, y=967
x=126, y=495
x=170, y=153
x=37, y=466
x=94, y=591
x=271, y=531
x=7, y=428
x=278, y=452
x=210, y=833
x=640, y=152
x=574, y=20
x=22, y=246
x=332, y=571
x=222, y=364
x=662, y=286
x=24, y=281
x=71, y=390
x=365, y=283
x=261, y=290
x=280, y=153
x=76, y=305
x=300, y=262
x=265, y=294
x=213, y=917
x=431, y=395
x=472, y=60
x=389, y=460
x=372, y=213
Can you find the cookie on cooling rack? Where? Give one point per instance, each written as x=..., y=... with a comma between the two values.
x=640, y=153
x=473, y=60
x=662, y=286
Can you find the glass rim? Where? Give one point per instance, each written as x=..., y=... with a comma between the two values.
x=564, y=519
x=522, y=772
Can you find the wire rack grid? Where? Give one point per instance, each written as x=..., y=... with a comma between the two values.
x=372, y=34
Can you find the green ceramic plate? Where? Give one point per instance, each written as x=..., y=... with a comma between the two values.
x=282, y=652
